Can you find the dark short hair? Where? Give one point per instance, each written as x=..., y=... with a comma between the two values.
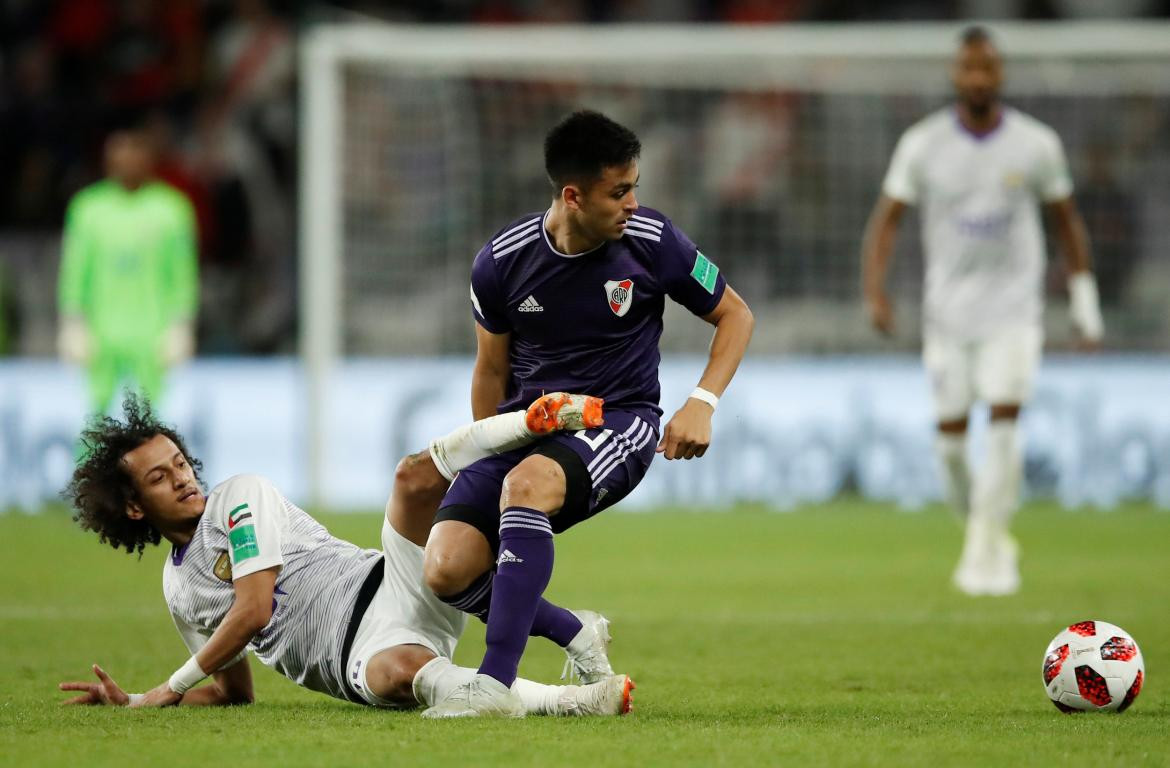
x=100, y=490
x=583, y=145
x=975, y=33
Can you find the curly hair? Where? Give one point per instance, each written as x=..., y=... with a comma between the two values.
x=101, y=490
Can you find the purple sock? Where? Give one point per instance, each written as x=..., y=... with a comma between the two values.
x=555, y=623
x=552, y=621
x=522, y=572
x=476, y=599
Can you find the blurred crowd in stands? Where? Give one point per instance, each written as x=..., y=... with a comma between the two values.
x=213, y=81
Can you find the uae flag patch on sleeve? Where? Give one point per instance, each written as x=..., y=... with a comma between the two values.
x=242, y=534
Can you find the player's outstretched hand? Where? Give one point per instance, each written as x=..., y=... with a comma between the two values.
x=105, y=691
x=161, y=696
x=688, y=433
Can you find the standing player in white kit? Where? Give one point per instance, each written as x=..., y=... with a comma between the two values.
x=981, y=170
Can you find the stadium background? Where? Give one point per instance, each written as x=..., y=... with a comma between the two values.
x=773, y=178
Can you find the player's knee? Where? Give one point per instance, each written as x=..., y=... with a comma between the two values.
x=953, y=426
x=1004, y=411
x=392, y=672
x=417, y=480
x=534, y=484
x=446, y=574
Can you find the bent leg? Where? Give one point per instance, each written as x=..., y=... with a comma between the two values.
x=390, y=674
x=438, y=678
x=418, y=491
x=532, y=491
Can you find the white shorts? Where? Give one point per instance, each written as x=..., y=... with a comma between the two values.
x=403, y=611
x=996, y=370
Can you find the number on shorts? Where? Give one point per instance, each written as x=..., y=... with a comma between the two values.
x=593, y=443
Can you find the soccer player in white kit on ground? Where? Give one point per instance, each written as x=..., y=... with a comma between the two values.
x=980, y=171
x=250, y=570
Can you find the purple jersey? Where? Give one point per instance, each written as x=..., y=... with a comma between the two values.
x=589, y=322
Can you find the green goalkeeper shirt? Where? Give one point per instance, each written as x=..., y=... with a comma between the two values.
x=129, y=263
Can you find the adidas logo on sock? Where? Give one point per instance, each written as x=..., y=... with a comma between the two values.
x=530, y=305
x=507, y=557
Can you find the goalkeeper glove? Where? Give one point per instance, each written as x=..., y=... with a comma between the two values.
x=178, y=343
x=73, y=342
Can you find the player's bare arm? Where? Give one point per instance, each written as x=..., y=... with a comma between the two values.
x=489, y=379
x=877, y=251
x=1074, y=243
x=688, y=433
x=229, y=686
x=250, y=613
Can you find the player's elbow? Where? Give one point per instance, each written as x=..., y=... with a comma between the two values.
x=747, y=319
x=238, y=697
x=255, y=617
x=260, y=618
x=739, y=316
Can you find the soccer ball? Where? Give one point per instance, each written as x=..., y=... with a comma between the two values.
x=1093, y=665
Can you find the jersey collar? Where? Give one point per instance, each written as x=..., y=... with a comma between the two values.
x=551, y=247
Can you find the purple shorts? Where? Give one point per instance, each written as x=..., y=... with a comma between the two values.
x=601, y=467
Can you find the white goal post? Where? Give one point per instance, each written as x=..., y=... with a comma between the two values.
x=364, y=231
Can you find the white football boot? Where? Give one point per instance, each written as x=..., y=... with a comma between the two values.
x=484, y=696
x=974, y=572
x=1004, y=576
x=588, y=653
x=611, y=696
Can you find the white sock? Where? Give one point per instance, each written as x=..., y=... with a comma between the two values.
x=997, y=486
x=952, y=456
x=438, y=677
x=479, y=439
x=538, y=698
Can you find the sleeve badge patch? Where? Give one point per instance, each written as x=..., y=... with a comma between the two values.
x=705, y=272
x=223, y=567
x=242, y=534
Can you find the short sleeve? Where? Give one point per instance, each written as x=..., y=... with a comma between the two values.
x=689, y=276
x=251, y=512
x=901, y=182
x=1053, y=181
x=488, y=303
x=195, y=638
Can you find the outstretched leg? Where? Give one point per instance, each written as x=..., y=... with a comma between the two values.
x=405, y=676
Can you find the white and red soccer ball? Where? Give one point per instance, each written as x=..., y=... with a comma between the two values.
x=1093, y=665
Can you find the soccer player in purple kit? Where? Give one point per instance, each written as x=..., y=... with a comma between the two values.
x=571, y=298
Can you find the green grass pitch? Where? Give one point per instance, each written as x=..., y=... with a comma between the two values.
x=827, y=636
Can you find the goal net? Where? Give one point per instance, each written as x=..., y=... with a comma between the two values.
x=766, y=145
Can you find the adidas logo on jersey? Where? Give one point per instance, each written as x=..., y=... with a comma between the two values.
x=507, y=557
x=530, y=305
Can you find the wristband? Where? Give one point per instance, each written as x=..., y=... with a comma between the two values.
x=186, y=677
x=135, y=698
x=710, y=398
x=1084, y=306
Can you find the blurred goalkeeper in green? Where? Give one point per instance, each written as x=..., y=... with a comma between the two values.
x=128, y=289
